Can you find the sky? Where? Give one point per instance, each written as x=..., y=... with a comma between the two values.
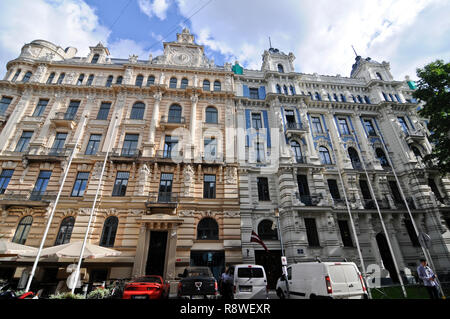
x=320, y=33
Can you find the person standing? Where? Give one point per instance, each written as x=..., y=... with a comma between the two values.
x=429, y=279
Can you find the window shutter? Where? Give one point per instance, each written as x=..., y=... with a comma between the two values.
x=262, y=92
x=248, y=125
x=246, y=91
x=266, y=124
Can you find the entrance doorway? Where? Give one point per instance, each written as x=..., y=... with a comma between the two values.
x=156, y=254
x=386, y=256
x=271, y=261
x=215, y=260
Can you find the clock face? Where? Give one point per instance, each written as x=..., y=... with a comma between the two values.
x=182, y=58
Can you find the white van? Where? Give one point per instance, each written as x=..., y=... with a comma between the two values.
x=337, y=280
x=249, y=282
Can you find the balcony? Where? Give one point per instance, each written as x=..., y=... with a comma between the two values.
x=170, y=156
x=47, y=154
x=172, y=121
x=63, y=119
x=357, y=166
x=300, y=160
x=2, y=118
x=125, y=154
x=162, y=202
x=309, y=200
x=295, y=128
x=26, y=198
x=415, y=136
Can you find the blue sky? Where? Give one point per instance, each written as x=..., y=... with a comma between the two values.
x=406, y=33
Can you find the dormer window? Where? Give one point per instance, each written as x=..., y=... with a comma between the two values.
x=95, y=58
x=280, y=68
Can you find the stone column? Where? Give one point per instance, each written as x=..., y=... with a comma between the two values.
x=138, y=267
x=155, y=117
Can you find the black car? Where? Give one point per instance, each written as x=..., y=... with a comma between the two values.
x=197, y=282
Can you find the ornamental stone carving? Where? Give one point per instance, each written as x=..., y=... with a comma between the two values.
x=188, y=179
x=133, y=59
x=231, y=175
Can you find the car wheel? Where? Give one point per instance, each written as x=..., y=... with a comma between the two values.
x=280, y=294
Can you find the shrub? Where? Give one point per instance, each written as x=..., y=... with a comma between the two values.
x=67, y=295
x=99, y=294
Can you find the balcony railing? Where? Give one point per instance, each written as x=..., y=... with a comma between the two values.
x=65, y=116
x=164, y=154
x=163, y=198
x=126, y=152
x=294, y=126
x=300, y=159
x=27, y=196
x=309, y=200
x=173, y=120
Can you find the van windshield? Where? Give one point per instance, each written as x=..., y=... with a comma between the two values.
x=250, y=273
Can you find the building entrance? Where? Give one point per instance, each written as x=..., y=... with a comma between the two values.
x=156, y=253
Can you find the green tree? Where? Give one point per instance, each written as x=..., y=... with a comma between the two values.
x=434, y=90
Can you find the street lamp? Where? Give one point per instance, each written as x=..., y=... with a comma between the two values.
x=283, y=257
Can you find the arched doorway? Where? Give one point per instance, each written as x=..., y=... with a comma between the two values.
x=385, y=253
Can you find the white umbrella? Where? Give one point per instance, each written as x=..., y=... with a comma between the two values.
x=10, y=248
x=73, y=250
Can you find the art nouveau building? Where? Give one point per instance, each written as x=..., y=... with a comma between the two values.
x=164, y=128
x=300, y=130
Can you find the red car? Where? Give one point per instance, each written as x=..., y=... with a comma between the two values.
x=147, y=287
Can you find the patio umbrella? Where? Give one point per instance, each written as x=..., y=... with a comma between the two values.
x=73, y=250
x=10, y=248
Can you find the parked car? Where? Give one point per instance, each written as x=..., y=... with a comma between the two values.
x=336, y=280
x=197, y=282
x=147, y=287
x=249, y=282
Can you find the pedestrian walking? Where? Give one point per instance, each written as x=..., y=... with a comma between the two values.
x=429, y=279
x=226, y=281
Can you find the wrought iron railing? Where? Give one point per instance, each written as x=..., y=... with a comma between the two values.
x=125, y=152
x=66, y=116
x=163, y=198
x=173, y=119
x=24, y=196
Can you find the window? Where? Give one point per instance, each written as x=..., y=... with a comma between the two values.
x=209, y=186
x=335, y=97
x=311, y=232
x=5, y=177
x=139, y=80
x=175, y=114
x=169, y=145
x=72, y=110
x=206, y=85
x=260, y=153
x=382, y=157
x=285, y=90
x=379, y=76
x=104, y=111
x=208, y=229
x=295, y=146
x=16, y=76
x=395, y=192
x=365, y=189
x=119, y=80
x=343, y=126
x=150, y=80
x=24, y=140
x=120, y=185
x=266, y=231
x=360, y=100
x=210, y=148
x=184, y=83
x=109, y=232
x=217, y=86
x=403, y=124
x=290, y=119
x=80, y=79
x=416, y=151
x=50, y=78
x=325, y=157
x=412, y=233
x=61, y=78
x=334, y=190
x=20, y=237
x=256, y=121
x=27, y=77
x=345, y=233
x=343, y=98
x=303, y=189
x=59, y=142
x=211, y=115
x=93, y=144
x=278, y=89
x=4, y=104
x=292, y=88
x=280, y=68
x=80, y=184
x=137, y=111
x=354, y=158
x=109, y=81
x=254, y=93
x=369, y=127
x=318, y=97
x=90, y=80
x=65, y=231
x=385, y=97
x=130, y=145
x=392, y=97
x=165, y=188
x=95, y=58
x=317, y=125
x=398, y=98
x=435, y=189
x=367, y=100
x=354, y=99
x=173, y=83
x=41, y=185
x=263, y=189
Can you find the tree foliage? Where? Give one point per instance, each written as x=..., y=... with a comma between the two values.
x=433, y=88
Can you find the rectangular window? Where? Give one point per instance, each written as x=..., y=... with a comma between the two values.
x=93, y=144
x=317, y=125
x=403, y=124
x=343, y=126
x=256, y=121
x=5, y=177
x=210, y=148
x=254, y=93
x=41, y=185
x=121, y=183
x=61, y=78
x=72, y=110
x=169, y=145
x=260, y=153
x=263, y=189
x=40, y=108
x=80, y=184
x=365, y=189
x=311, y=232
x=24, y=140
x=334, y=190
x=412, y=233
x=303, y=190
x=345, y=233
x=209, y=186
x=369, y=127
x=130, y=145
x=59, y=142
x=165, y=188
x=395, y=192
x=104, y=111
x=4, y=104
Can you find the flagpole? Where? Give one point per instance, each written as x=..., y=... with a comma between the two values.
x=358, y=247
x=50, y=218
x=372, y=192
x=77, y=271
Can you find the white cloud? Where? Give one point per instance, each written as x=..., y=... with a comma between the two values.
x=123, y=48
x=154, y=8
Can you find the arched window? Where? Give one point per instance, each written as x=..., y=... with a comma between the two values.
x=50, y=78
x=278, y=89
x=266, y=231
x=139, y=80
x=318, y=97
x=366, y=98
x=173, y=83
x=95, y=58
x=16, y=76
x=137, y=111
x=27, y=77
x=150, y=80
x=360, y=99
x=297, y=151
x=325, y=157
x=109, y=232
x=65, y=231
x=354, y=157
x=379, y=76
x=90, y=80
x=382, y=157
x=392, y=97
x=184, y=83
x=217, y=86
x=285, y=89
x=292, y=90
x=20, y=237
x=335, y=97
x=211, y=115
x=206, y=85
x=119, y=80
x=208, y=229
x=80, y=79
x=109, y=81
x=175, y=114
x=280, y=68
x=354, y=99
x=416, y=151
